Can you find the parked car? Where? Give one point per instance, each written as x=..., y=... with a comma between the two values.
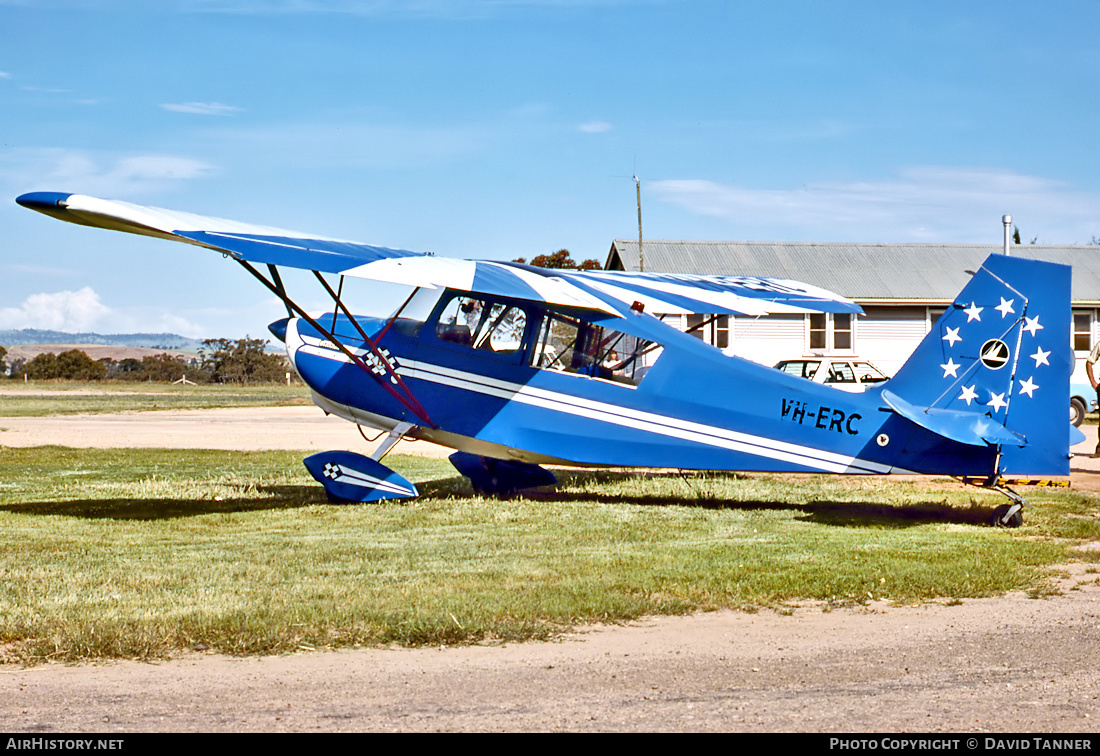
x=847, y=374
x=855, y=374
x=1082, y=400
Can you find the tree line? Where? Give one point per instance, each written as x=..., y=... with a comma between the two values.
x=236, y=361
x=561, y=260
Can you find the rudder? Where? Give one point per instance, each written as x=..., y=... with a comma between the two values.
x=999, y=359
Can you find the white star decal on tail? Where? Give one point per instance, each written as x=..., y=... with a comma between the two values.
x=996, y=401
x=1033, y=325
x=968, y=395
x=973, y=312
x=1040, y=357
x=1005, y=308
x=952, y=336
x=950, y=369
x=1028, y=387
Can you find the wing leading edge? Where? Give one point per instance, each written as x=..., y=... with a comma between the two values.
x=255, y=244
x=600, y=291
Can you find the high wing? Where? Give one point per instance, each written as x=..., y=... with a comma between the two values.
x=243, y=241
x=609, y=292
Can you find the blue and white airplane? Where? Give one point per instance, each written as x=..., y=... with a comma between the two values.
x=516, y=367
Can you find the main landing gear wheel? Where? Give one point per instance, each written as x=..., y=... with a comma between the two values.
x=1008, y=516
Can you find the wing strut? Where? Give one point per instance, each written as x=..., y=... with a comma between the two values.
x=281, y=289
x=396, y=315
x=405, y=396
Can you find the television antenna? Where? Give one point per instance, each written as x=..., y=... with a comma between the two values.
x=641, y=254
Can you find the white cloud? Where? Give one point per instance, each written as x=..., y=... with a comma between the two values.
x=158, y=167
x=96, y=173
x=59, y=311
x=169, y=323
x=82, y=311
x=595, y=127
x=202, y=108
x=947, y=204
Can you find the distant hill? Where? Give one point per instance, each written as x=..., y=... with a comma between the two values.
x=162, y=341
x=28, y=352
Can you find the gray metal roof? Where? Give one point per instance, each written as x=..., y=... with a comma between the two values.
x=863, y=272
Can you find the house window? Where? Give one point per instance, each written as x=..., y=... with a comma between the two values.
x=842, y=331
x=722, y=332
x=695, y=326
x=818, y=331
x=1082, y=331
x=712, y=329
x=830, y=332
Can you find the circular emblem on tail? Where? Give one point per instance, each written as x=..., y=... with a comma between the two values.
x=994, y=354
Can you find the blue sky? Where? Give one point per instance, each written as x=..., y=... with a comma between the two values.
x=504, y=128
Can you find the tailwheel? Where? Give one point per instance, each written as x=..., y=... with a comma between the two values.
x=1007, y=516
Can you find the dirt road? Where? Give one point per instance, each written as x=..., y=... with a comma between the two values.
x=247, y=429
x=1008, y=664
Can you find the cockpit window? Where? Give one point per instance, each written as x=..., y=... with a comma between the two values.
x=573, y=345
x=482, y=325
x=458, y=321
x=501, y=329
x=557, y=340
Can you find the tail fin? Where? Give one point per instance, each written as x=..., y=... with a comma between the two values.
x=994, y=370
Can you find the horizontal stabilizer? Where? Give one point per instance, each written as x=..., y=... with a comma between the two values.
x=351, y=477
x=969, y=428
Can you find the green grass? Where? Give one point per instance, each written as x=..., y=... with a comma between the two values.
x=143, y=553
x=40, y=398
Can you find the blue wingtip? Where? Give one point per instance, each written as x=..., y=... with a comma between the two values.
x=43, y=201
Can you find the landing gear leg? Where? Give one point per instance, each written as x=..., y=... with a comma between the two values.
x=1008, y=515
x=391, y=438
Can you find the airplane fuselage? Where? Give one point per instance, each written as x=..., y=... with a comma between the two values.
x=692, y=408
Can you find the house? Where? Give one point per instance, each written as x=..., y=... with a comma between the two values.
x=902, y=288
